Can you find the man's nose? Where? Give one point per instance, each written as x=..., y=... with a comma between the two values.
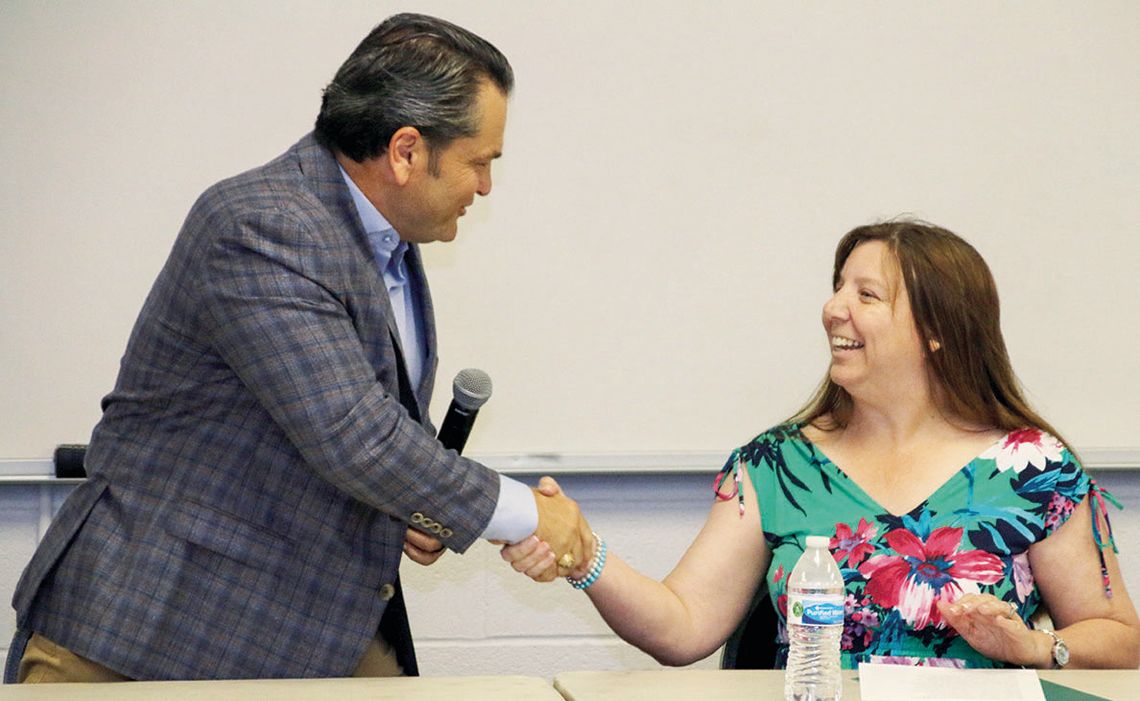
x=484, y=187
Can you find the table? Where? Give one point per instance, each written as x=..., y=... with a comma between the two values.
x=402, y=688
x=757, y=685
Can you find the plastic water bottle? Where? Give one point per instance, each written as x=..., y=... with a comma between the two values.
x=815, y=625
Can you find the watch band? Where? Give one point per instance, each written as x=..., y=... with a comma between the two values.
x=1060, y=650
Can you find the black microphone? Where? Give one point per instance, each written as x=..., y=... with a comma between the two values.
x=471, y=389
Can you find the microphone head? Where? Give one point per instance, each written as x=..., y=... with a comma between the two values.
x=471, y=389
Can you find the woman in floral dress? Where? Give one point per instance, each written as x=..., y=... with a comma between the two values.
x=955, y=511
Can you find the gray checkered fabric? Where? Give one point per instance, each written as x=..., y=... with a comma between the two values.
x=253, y=474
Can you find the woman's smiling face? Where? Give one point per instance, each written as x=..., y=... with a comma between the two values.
x=875, y=345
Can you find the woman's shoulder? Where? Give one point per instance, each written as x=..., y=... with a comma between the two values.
x=779, y=433
x=771, y=442
x=1027, y=447
x=821, y=431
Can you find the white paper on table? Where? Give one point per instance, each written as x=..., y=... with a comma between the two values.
x=892, y=682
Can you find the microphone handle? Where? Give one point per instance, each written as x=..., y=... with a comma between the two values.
x=456, y=427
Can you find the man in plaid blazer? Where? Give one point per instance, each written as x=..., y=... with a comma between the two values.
x=266, y=445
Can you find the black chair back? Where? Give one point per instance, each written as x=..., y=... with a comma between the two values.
x=753, y=644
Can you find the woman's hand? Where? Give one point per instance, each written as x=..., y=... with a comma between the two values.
x=534, y=557
x=992, y=627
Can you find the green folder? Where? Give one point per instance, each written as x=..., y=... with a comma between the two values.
x=1060, y=692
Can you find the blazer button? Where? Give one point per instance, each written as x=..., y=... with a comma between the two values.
x=387, y=591
x=417, y=517
x=436, y=528
x=445, y=533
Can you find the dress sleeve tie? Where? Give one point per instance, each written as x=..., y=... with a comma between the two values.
x=733, y=466
x=1100, y=511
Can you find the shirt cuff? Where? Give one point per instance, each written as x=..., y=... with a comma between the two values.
x=516, y=514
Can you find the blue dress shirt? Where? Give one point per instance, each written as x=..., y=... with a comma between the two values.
x=516, y=514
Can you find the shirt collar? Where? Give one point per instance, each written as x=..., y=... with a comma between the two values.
x=387, y=248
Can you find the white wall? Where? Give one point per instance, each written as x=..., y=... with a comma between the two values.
x=648, y=272
x=646, y=276
x=473, y=615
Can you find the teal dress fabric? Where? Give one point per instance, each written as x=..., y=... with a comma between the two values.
x=970, y=535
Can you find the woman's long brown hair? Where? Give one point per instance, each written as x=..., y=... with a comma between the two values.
x=955, y=302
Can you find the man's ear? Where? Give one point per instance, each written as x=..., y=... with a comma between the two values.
x=405, y=148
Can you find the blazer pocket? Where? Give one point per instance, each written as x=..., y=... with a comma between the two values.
x=229, y=536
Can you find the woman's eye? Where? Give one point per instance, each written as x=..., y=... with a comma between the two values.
x=867, y=294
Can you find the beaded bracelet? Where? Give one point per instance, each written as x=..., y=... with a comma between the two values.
x=597, y=562
x=598, y=545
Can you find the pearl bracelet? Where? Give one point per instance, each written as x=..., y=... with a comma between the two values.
x=597, y=562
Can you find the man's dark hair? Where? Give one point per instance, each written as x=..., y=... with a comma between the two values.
x=411, y=70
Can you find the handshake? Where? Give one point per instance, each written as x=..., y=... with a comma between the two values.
x=562, y=546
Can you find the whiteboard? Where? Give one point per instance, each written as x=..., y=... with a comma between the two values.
x=647, y=275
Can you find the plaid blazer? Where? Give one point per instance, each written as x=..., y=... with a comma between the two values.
x=254, y=472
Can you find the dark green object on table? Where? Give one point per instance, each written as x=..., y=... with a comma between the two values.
x=1060, y=692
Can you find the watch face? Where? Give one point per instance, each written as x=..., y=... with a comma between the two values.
x=1060, y=653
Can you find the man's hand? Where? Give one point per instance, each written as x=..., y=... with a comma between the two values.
x=421, y=547
x=561, y=526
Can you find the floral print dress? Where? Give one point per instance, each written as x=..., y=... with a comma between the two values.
x=969, y=536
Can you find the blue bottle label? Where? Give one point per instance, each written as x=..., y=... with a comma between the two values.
x=815, y=609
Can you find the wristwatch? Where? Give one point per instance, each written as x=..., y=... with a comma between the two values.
x=1060, y=650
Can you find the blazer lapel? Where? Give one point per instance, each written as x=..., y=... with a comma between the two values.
x=420, y=283
x=408, y=398
x=323, y=174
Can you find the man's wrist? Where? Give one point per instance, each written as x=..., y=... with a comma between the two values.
x=516, y=512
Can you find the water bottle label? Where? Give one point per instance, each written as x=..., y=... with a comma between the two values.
x=815, y=610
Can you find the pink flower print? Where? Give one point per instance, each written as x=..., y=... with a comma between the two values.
x=925, y=572
x=870, y=623
x=1058, y=511
x=949, y=662
x=859, y=623
x=781, y=596
x=854, y=546
x=1024, y=447
x=1022, y=576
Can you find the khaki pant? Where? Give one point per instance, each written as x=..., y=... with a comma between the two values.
x=46, y=662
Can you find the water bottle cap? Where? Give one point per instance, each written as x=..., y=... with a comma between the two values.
x=818, y=541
